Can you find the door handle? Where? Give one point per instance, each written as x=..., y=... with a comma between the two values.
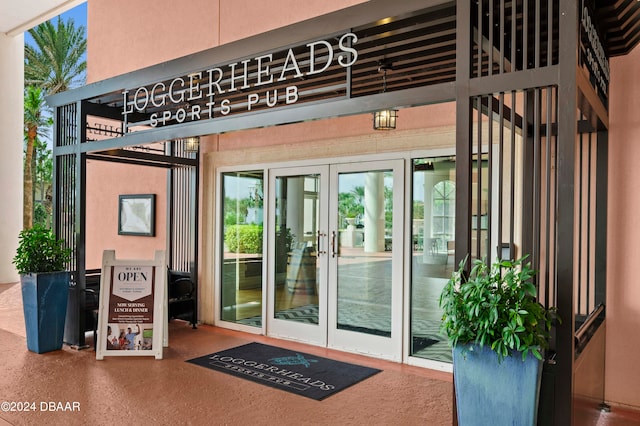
x=320, y=234
x=333, y=243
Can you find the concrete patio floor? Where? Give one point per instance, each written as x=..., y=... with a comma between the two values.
x=170, y=391
x=145, y=391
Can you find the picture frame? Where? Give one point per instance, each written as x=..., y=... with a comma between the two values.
x=136, y=215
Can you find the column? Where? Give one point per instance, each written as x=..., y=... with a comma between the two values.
x=427, y=240
x=374, y=212
x=295, y=207
x=11, y=120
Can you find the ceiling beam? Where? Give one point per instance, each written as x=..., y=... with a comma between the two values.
x=62, y=7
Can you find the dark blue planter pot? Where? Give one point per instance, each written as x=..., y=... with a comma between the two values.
x=44, y=300
x=492, y=393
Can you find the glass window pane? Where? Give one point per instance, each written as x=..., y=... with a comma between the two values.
x=296, y=263
x=433, y=230
x=365, y=217
x=243, y=241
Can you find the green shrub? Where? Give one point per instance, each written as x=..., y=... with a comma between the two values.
x=39, y=251
x=244, y=238
x=40, y=215
x=232, y=218
x=496, y=306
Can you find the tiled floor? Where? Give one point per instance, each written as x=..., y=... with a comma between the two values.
x=617, y=417
x=144, y=391
x=170, y=391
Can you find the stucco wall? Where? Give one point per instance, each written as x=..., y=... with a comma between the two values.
x=429, y=116
x=126, y=35
x=622, y=385
x=105, y=182
x=243, y=18
x=11, y=110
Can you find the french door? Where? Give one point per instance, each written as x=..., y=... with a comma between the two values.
x=297, y=281
x=336, y=245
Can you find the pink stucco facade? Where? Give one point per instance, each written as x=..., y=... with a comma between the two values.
x=105, y=182
x=623, y=291
x=139, y=33
x=127, y=35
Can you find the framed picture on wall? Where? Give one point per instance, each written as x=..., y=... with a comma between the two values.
x=137, y=215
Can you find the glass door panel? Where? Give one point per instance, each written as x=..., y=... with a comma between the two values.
x=298, y=267
x=336, y=249
x=366, y=255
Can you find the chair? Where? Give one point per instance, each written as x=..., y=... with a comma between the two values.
x=182, y=297
x=91, y=309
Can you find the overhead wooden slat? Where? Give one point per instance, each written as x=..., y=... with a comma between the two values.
x=619, y=22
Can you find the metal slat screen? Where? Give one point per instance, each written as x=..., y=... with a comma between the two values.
x=514, y=180
x=65, y=168
x=588, y=295
x=513, y=36
x=183, y=213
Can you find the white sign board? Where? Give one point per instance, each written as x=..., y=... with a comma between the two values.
x=132, y=304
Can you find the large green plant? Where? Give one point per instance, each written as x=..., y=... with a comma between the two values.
x=496, y=306
x=243, y=238
x=39, y=251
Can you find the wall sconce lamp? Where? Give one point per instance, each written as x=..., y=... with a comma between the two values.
x=385, y=119
x=192, y=144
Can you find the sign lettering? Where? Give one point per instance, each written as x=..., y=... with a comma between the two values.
x=212, y=87
x=593, y=53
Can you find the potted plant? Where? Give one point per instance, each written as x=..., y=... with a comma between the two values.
x=498, y=331
x=41, y=260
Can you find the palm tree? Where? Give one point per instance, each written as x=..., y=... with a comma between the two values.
x=54, y=63
x=35, y=124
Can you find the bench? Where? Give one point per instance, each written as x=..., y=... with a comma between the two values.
x=181, y=296
x=92, y=302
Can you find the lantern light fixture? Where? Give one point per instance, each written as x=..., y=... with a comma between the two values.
x=192, y=144
x=385, y=119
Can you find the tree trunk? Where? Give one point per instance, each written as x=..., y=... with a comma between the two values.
x=48, y=204
x=27, y=216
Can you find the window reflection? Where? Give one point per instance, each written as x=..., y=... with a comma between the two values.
x=243, y=241
x=433, y=233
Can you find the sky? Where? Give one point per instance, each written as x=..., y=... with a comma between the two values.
x=78, y=14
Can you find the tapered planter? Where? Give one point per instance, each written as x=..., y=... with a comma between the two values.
x=492, y=393
x=44, y=300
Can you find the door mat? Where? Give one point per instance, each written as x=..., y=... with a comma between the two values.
x=296, y=372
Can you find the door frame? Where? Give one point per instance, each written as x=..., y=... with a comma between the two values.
x=406, y=156
x=273, y=327
x=382, y=347
x=326, y=333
